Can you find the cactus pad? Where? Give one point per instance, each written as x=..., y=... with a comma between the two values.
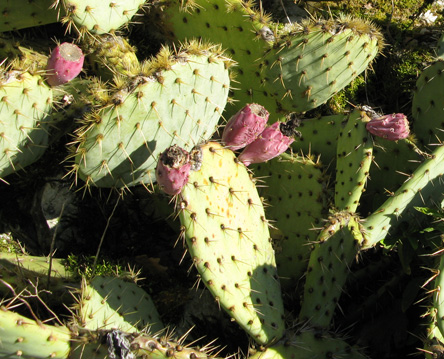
x=228, y=238
x=179, y=100
x=112, y=303
x=25, y=102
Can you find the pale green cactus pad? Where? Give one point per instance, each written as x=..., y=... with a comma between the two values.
x=112, y=303
x=177, y=99
x=228, y=238
x=24, y=338
x=97, y=16
x=25, y=103
x=291, y=70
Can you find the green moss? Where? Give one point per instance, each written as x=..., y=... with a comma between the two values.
x=87, y=267
x=8, y=244
x=345, y=100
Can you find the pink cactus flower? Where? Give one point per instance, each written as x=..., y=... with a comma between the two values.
x=269, y=144
x=244, y=127
x=173, y=169
x=64, y=64
x=390, y=127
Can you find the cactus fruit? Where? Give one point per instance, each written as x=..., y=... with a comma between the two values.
x=291, y=70
x=173, y=169
x=245, y=126
x=25, y=103
x=64, y=64
x=391, y=127
x=273, y=140
x=294, y=188
x=336, y=248
x=228, y=239
x=353, y=159
x=177, y=99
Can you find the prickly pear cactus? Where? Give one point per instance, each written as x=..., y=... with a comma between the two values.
x=426, y=105
x=112, y=303
x=418, y=190
x=24, y=13
x=336, y=248
x=25, y=103
x=228, y=238
x=97, y=17
x=319, y=136
x=111, y=55
x=353, y=159
x=310, y=343
x=177, y=100
x=22, y=337
x=285, y=71
x=294, y=188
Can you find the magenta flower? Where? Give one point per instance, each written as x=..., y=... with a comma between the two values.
x=173, y=169
x=390, y=127
x=269, y=144
x=64, y=64
x=244, y=127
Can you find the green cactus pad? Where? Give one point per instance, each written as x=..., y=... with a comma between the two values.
x=311, y=62
x=97, y=16
x=228, y=238
x=427, y=110
x=294, y=189
x=310, y=344
x=22, y=271
x=320, y=136
x=112, y=303
x=336, y=247
x=353, y=159
x=20, y=14
x=25, y=102
x=178, y=100
x=393, y=161
x=420, y=189
x=289, y=71
x=24, y=338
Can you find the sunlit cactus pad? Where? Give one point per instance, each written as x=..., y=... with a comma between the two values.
x=25, y=102
x=228, y=239
x=178, y=100
x=98, y=16
x=296, y=69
